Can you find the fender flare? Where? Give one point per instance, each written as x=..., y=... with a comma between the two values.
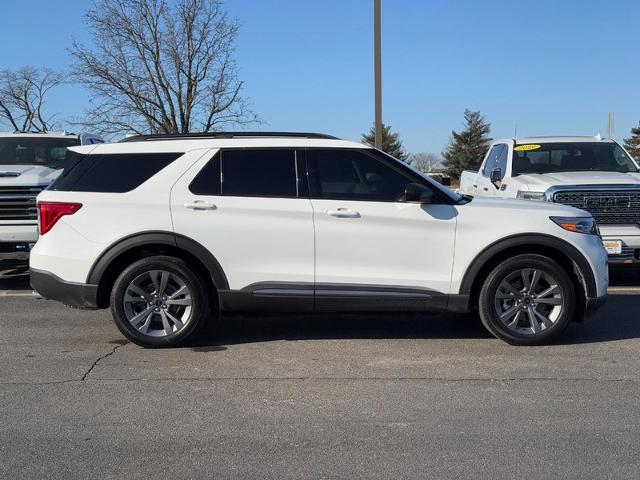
x=171, y=239
x=548, y=241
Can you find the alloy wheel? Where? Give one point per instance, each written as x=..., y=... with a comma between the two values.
x=158, y=303
x=529, y=301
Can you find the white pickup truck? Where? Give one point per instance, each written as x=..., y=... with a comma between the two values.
x=590, y=173
x=29, y=162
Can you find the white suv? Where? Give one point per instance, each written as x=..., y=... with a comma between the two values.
x=170, y=230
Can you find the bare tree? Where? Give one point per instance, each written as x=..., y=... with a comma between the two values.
x=425, y=162
x=160, y=68
x=22, y=97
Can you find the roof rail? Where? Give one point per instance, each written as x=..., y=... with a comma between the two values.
x=211, y=135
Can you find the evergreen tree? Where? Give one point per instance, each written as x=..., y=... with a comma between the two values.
x=391, y=142
x=467, y=148
x=632, y=144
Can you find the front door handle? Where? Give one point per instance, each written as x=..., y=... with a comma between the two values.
x=200, y=205
x=486, y=189
x=343, y=213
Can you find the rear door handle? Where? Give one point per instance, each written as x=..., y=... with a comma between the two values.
x=200, y=205
x=343, y=213
x=486, y=189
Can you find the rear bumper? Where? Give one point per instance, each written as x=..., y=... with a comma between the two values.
x=51, y=287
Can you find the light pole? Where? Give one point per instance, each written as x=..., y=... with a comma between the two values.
x=377, y=60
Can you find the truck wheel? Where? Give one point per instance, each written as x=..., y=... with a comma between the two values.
x=527, y=300
x=159, y=302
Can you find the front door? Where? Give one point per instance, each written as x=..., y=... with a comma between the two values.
x=373, y=250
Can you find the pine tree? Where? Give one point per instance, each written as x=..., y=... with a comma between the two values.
x=391, y=142
x=467, y=148
x=632, y=144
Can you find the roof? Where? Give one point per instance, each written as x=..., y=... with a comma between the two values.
x=182, y=143
x=211, y=135
x=557, y=139
x=39, y=135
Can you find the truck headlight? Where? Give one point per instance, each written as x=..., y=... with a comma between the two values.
x=526, y=195
x=577, y=224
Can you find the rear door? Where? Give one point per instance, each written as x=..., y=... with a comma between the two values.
x=251, y=210
x=373, y=250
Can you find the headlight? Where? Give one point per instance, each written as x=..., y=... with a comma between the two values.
x=577, y=224
x=526, y=195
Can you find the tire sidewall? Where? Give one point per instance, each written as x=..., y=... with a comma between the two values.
x=177, y=267
x=486, y=305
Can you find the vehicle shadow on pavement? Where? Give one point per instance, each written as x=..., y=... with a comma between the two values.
x=618, y=320
x=239, y=329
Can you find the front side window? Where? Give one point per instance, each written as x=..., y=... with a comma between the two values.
x=571, y=157
x=259, y=173
x=501, y=162
x=493, y=159
x=352, y=175
x=37, y=151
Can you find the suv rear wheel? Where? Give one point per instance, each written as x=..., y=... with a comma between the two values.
x=527, y=300
x=159, y=302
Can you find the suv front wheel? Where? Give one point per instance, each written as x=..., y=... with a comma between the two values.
x=159, y=302
x=527, y=300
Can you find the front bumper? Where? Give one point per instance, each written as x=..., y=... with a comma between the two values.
x=51, y=287
x=630, y=245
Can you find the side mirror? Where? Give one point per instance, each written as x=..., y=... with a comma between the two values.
x=496, y=175
x=417, y=193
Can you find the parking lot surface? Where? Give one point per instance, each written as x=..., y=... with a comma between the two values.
x=332, y=396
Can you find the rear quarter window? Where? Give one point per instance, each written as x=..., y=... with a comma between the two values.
x=110, y=173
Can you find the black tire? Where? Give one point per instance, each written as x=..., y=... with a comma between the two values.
x=489, y=305
x=178, y=270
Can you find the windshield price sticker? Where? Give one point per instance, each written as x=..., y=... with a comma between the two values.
x=526, y=148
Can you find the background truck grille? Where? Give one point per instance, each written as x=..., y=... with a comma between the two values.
x=18, y=203
x=608, y=207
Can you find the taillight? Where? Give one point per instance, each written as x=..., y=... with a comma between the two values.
x=50, y=212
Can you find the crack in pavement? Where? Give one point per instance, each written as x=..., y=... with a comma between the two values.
x=95, y=364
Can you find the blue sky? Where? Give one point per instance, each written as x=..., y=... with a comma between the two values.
x=545, y=66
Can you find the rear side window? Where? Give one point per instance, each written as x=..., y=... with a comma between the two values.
x=259, y=173
x=207, y=182
x=111, y=173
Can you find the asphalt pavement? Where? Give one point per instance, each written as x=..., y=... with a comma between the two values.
x=332, y=396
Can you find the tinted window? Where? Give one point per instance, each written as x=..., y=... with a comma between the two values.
x=352, y=175
x=117, y=173
x=48, y=152
x=207, y=182
x=259, y=173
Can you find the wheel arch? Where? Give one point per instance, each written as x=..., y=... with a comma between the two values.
x=559, y=250
x=117, y=256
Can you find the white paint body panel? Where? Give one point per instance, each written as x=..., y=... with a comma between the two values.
x=254, y=239
x=400, y=244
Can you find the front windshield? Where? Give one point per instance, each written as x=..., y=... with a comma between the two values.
x=39, y=151
x=571, y=157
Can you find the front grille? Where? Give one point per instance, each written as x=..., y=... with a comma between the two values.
x=18, y=203
x=608, y=207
